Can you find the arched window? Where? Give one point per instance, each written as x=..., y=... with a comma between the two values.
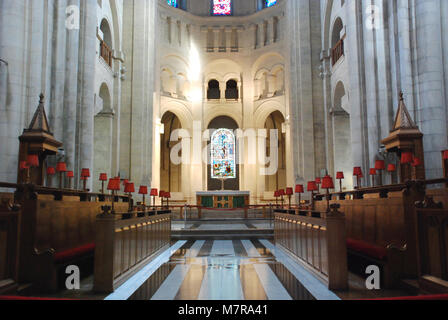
x=106, y=43
x=223, y=154
x=213, y=91
x=173, y=3
x=232, y=90
x=222, y=7
x=270, y=3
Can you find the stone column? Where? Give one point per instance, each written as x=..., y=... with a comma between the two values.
x=433, y=113
x=70, y=110
x=12, y=51
x=87, y=89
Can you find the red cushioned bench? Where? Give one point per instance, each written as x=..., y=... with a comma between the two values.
x=50, y=266
x=72, y=254
x=389, y=259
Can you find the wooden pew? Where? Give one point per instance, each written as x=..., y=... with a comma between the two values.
x=432, y=220
x=381, y=228
x=9, y=216
x=319, y=242
x=123, y=246
x=55, y=231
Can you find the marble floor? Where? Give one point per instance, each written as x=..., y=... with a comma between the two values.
x=223, y=270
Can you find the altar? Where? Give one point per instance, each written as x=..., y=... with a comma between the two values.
x=223, y=199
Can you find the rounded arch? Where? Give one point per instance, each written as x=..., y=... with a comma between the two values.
x=217, y=111
x=213, y=90
x=232, y=90
x=107, y=32
x=170, y=172
x=275, y=177
x=227, y=123
x=342, y=136
x=180, y=110
x=264, y=110
x=339, y=95
x=336, y=30
x=105, y=96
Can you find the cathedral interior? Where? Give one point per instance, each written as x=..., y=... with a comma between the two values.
x=224, y=149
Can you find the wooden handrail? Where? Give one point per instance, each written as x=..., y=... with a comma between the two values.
x=106, y=53
x=337, y=52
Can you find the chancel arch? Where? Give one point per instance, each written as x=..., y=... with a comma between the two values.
x=276, y=154
x=170, y=172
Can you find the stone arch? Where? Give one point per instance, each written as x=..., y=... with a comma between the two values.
x=264, y=110
x=107, y=32
x=180, y=110
x=170, y=172
x=336, y=30
x=342, y=140
x=103, y=137
x=276, y=181
x=223, y=122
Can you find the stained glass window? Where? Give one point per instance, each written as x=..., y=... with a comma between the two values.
x=223, y=154
x=270, y=3
x=222, y=7
x=172, y=3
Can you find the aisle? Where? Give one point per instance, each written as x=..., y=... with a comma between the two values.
x=223, y=270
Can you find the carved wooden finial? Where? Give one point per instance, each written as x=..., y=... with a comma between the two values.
x=401, y=95
x=41, y=98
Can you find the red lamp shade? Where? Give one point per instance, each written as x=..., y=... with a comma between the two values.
x=61, y=167
x=23, y=165
x=406, y=157
x=357, y=171
x=33, y=160
x=125, y=182
x=143, y=190
x=445, y=155
x=391, y=168
x=340, y=175
x=168, y=195
x=281, y=192
x=289, y=191
x=129, y=188
x=51, y=171
x=161, y=194
x=312, y=186
x=318, y=181
x=299, y=188
x=85, y=173
x=103, y=177
x=276, y=194
x=372, y=172
x=380, y=165
x=154, y=192
x=70, y=174
x=416, y=162
x=327, y=183
x=114, y=184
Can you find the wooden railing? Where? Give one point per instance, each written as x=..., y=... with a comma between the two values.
x=432, y=222
x=106, y=53
x=337, y=52
x=319, y=242
x=124, y=245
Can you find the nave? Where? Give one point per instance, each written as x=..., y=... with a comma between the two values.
x=223, y=270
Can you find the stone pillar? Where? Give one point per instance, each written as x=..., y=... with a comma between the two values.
x=70, y=110
x=87, y=89
x=433, y=113
x=13, y=90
